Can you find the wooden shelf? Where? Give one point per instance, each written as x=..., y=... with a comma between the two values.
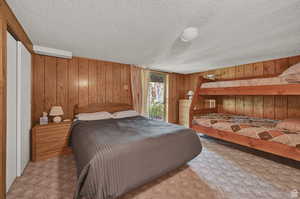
x=286, y=89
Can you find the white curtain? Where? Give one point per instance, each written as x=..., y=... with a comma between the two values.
x=139, y=85
x=136, y=88
x=145, y=74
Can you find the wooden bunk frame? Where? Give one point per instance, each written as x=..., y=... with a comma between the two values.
x=197, y=108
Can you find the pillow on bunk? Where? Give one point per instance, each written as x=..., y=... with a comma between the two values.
x=292, y=124
x=292, y=78
x=295, y=69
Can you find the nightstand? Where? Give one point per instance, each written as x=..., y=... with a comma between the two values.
x=50, y=140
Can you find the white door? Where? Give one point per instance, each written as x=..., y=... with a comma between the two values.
x=11, y=129
x=24, y=107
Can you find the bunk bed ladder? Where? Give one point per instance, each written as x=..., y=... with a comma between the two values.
x=197, y=105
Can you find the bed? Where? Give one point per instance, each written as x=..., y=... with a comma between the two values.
x=258, y=128
x=284, y=84
x=114, y=156
x=240, y=129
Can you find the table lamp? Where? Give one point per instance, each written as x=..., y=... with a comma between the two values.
x=190, y=94
x=56, y=111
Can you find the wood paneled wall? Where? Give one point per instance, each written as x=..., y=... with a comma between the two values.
x=176, y=91
x=273, y=107
x=82, y=81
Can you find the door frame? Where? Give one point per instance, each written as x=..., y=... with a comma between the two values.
x=8, y=23
x=3, y=32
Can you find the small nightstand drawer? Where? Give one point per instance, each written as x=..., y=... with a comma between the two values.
x=45, y=132
x=52, y=136
x=52, y=128
x=50, y=140
x=51, y=145
x=46, y=140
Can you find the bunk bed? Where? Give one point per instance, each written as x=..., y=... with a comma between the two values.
x=260, y=134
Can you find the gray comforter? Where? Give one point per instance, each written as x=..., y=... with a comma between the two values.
x=115, y=156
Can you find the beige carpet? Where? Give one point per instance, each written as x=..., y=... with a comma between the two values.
x=222, y=170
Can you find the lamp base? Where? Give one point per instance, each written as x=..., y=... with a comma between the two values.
x=57, y=119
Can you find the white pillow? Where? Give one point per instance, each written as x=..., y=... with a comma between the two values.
x=123, y=114
x=94, y=116
x=292, y=78
x=89, y=114
x=295, y=69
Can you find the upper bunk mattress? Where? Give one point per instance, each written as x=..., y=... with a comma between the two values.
x=264, y=129
x=248, y=82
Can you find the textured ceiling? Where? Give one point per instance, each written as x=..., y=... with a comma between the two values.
x=146, y=32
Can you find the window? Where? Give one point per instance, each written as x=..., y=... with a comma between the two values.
x=157, y=96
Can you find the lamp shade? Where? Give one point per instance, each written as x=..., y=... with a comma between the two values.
x=56, y=111
x=190, y=93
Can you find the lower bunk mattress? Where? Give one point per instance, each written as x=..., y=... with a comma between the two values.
x=114, y=156
x=264, y=129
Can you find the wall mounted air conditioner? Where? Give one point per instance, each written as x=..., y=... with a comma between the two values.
x=52, y=52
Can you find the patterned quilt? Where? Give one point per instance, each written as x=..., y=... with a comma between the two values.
x=264, y=129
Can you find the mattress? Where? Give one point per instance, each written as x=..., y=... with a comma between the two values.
x=114, y=156
x=264, y=129
x=248, y=82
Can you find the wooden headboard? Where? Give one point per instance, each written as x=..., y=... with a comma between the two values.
x=112, y=107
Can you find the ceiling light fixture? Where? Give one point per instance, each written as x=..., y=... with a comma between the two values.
x=189, y=34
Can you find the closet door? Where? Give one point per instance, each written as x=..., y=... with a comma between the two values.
x=11, y=122
x=24, y=107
